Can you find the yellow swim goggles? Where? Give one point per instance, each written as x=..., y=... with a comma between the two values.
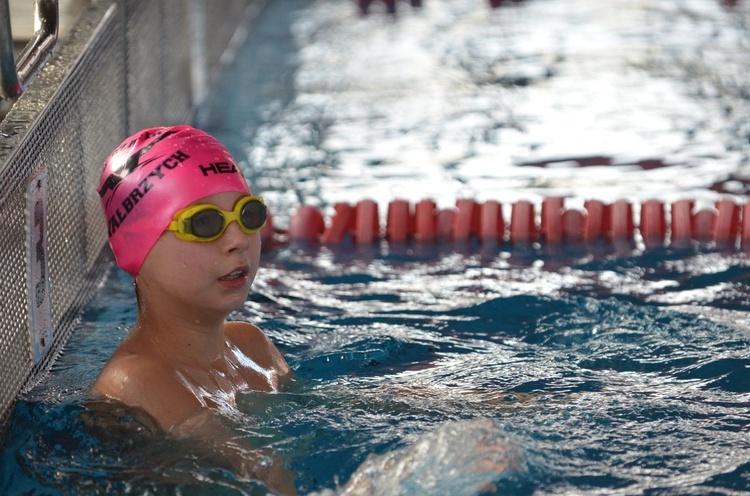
x=205, y=222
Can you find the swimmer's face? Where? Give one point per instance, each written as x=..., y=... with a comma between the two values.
x=212, y=276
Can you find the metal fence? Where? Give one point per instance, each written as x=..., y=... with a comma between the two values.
x=123, y=66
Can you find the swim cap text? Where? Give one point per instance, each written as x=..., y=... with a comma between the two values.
x=140, y=191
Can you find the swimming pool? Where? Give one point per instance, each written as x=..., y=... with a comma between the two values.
x=606, y=369
x=617, y=374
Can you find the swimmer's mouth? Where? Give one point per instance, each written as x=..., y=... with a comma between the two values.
x=237, y=273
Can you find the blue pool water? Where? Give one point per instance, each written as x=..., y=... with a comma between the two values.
x=601, y=369
x=621, y=374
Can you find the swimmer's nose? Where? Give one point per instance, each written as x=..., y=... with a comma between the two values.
x=235, y=239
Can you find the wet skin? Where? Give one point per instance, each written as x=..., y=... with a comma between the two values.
x=182, y=363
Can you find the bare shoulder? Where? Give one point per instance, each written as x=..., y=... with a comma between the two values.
x=237, y=330
x=256, y=345
x=142, y=382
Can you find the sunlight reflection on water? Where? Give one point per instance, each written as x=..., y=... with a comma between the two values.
x=452, y=100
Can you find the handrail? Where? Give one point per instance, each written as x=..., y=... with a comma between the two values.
x=14, y=77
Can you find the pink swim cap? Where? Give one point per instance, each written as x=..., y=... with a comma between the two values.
x=154, y=174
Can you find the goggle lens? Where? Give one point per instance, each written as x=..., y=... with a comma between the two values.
x=253, y=215
x=207, y=222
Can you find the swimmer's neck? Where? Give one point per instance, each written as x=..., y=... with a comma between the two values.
x=183, y=337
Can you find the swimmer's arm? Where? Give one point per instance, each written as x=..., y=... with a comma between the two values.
x=176, y=411
x=231, y=452
x=255, y=344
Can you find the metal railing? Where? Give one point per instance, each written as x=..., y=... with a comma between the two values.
x=14, y=77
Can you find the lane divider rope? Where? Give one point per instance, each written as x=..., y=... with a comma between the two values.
x=727, y=224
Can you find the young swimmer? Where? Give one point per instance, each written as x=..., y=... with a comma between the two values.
x=183, y=223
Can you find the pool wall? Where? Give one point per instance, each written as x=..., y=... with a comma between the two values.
x=123, y=66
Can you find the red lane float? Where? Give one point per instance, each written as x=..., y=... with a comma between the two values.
x=307, y=224
x=703, y=225
x=522, y=224
x=342, y=224
x=621, y=224
x=366, y=223
x=491, y=222
x=745, y=229
x=594, y=224
x=653, y=225
x=425, y=221
x=682, y=221
x=725, y=224
x=551, y=227
x=573, y=222
x=400, y=222
x=465, y=220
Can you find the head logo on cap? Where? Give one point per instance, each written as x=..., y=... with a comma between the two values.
x=152, y=175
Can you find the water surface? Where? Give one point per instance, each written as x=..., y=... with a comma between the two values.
x=605, y=369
